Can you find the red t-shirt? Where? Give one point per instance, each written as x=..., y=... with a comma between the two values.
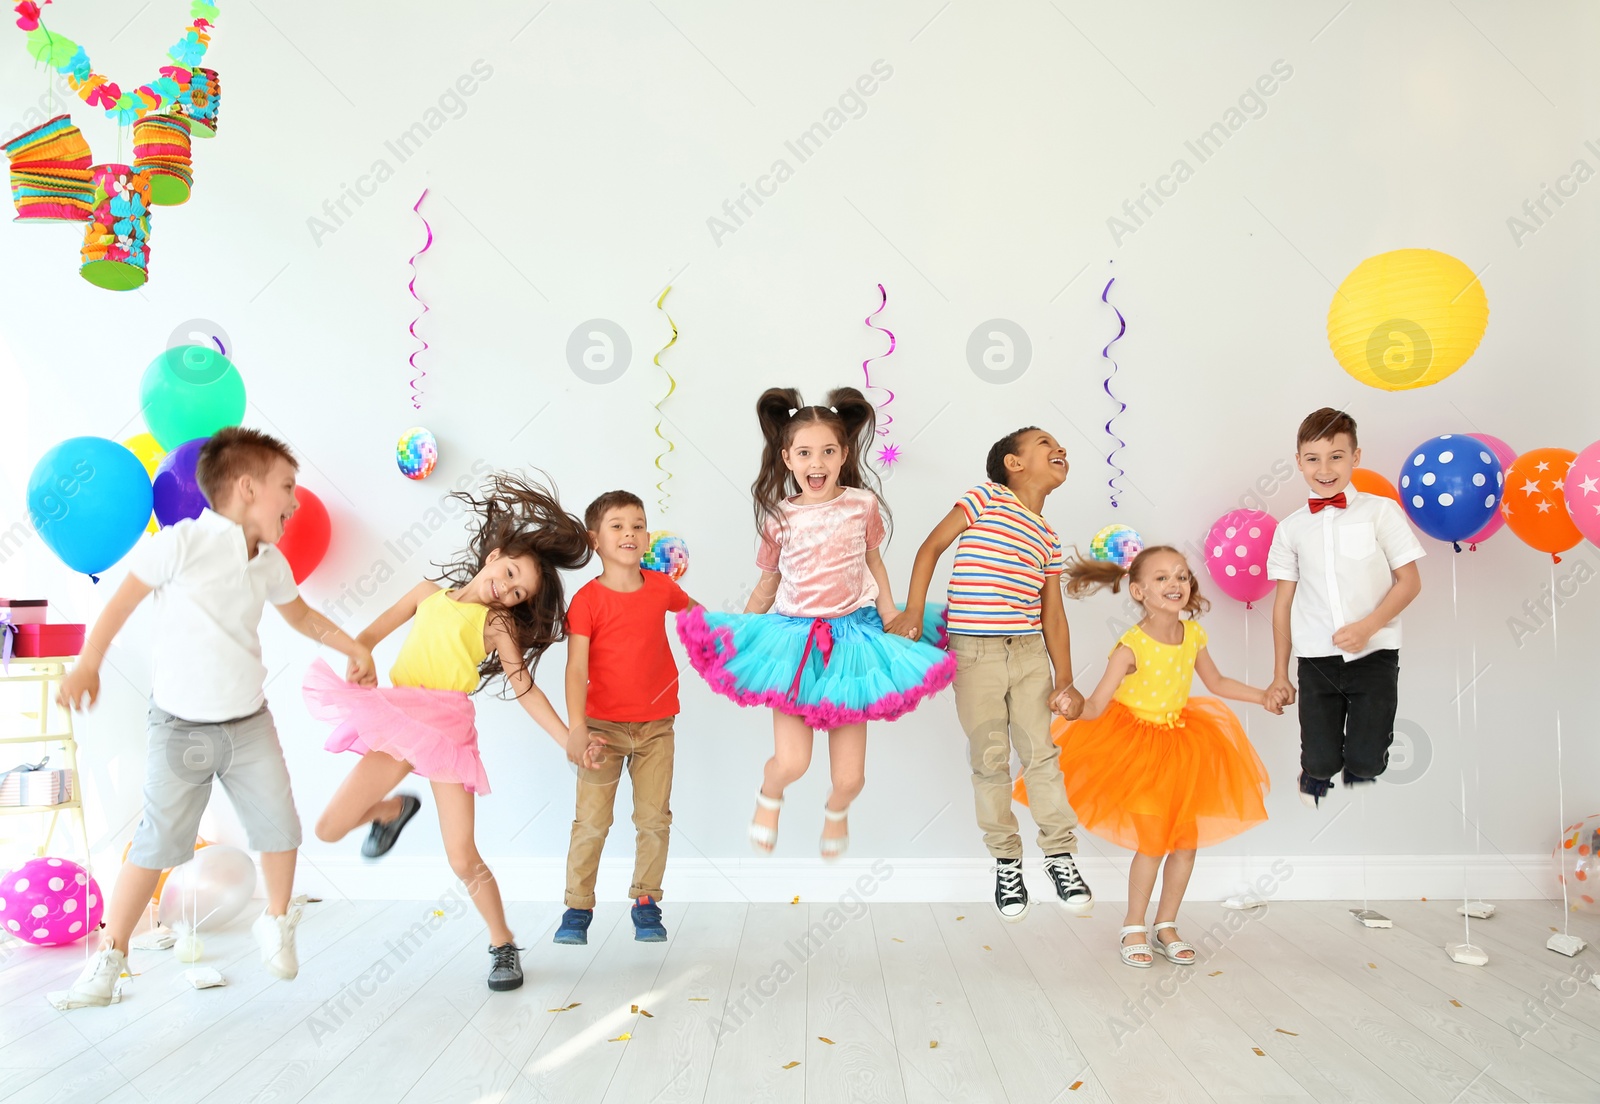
x=632, y=675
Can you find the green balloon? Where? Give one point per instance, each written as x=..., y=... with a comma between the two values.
x=190, y=391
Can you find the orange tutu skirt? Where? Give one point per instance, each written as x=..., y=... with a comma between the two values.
x=1155, y=789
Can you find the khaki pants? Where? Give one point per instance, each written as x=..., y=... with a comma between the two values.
x=1003, y=689
x=647, y=747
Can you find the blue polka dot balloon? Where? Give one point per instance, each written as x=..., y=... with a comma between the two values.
x=1450, y=486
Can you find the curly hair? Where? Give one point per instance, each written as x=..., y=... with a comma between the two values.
x=783, y=413
x=519, y=518
x=1084, y=577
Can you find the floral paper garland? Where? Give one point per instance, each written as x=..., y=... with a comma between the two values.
x=174, y=86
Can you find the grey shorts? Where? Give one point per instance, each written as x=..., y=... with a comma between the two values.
x=183, y=758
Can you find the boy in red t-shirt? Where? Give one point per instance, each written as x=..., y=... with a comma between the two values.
x=622, y=689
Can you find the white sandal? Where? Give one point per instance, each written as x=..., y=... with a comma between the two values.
x=763, y=838
x=833, y=847
x=1173, y=949
x=1129, y=950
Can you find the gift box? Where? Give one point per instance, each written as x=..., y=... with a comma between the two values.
x=33, y=784
x=39, y=641
x=26, y=611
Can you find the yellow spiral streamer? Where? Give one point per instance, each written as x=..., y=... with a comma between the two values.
x=662, y=494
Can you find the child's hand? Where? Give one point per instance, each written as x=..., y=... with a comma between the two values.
x=907, y=624
x=1279, y=695
x=361, y=669
x=1353, y=637
x=595, y=753
x=1067, y=703
x=584, y=748
x=79, y=689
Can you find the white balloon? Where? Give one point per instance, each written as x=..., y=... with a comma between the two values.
x=209, y=890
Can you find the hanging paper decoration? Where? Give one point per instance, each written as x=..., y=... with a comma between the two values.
x=116, y=243
x=1407, y=318
x=51, y=177
x=1122, y=328
x=668, y=554
x=201, y=102
x=416, y=392
x=416, y=453
x=181, y=87
x=672, y=385
x=889, y=453
x=1116, y=544
x=161, y=149
x=1581, y=489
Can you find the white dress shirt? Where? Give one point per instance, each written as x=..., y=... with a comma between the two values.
x=206, y=657
x=1343, y=563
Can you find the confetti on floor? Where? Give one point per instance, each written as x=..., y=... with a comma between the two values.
x=700, y=998
x=1259, y=1052
x=1281, y=1031
x=624, y=1037
x=796, y=901
x=568, y=1008
x=933, y=1044
x=1214, y=973
x=897, y=939
x=961, y=918
x=827, y=1040
x=438, y=912
x=1372, y=965
x=1424, y=898
x=1075, y=1086
x=1456, y=1003
x=645, y=1014
x=634, y=1008
x=987, y=947
x=791, y=1065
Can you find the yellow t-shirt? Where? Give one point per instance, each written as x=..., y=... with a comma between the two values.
x=1158, y=688
x=444, y=647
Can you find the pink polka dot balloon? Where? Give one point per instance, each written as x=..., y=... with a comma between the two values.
x=48, y=902
x=1236, y=554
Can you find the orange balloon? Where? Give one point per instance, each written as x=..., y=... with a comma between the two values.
x=1370, y=482
x=1534, y=504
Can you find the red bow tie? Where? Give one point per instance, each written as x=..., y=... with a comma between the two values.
x=1337, y=502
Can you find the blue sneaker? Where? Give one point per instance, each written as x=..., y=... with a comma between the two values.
x=574, y=929
x=647, y=926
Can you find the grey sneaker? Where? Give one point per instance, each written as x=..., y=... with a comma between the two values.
x=275, y=934
x=506, y=972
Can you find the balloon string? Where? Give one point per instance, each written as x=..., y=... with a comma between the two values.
x=662, y=494
x=885, y=420
x=418, y=373
x=1455, y=657
x=1122, y=328
x=1561, y=797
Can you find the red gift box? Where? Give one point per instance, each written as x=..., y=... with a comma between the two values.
x=26, y=611
x=40, y=641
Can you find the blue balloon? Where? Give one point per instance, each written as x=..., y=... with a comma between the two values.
x=89, y=498
x=1451, y=486
x=177, y=491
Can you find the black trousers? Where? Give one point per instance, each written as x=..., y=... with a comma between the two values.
x=1347, y=714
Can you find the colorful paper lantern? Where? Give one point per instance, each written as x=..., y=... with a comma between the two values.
x=1116, y=544
x=1407, y=318
x=668, y=554
x=51, y=178
x=161, y=149
x=417, y=453
x=116, y=243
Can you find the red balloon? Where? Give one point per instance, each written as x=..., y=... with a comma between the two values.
x=306, y=535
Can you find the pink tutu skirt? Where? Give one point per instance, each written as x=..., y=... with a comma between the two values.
x=433, y=730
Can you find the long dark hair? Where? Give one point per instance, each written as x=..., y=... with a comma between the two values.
x=520, y=518
x=1084, y=577
x=782, y=414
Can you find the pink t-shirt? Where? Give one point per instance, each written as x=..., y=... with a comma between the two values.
x=821, y=549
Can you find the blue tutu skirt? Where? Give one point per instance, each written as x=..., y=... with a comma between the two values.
x=826, y=671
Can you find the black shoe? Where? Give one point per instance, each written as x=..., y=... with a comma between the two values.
x=381, y=837
x=1358, y=780
x=1313, y=790
x=1010, y=895
x=506, y=973
x=1070, y=887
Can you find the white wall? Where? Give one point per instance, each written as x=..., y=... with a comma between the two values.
x=976, y=183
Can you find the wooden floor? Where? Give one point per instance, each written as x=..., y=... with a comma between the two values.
x=817, y=1002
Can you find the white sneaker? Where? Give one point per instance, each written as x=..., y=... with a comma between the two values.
x=276, y=936
x=98, y=982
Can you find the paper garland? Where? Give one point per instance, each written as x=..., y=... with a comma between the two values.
x=420, y=373
x=1122, y=328
x=889, y=453
x=175, y=86
x=662, y=494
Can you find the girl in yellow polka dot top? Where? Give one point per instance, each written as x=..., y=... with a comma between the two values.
x=1148, y=767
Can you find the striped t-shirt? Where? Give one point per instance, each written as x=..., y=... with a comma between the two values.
x=1002, y=560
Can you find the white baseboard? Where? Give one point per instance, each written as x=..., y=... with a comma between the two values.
x=753, y=879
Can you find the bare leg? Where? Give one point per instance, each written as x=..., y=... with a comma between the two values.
x=1174, y=883
x=360, y=797
x=129, y=898
x=1141, y=883
x=847, y=763
x=791, y=756
x=456, y=816
x=277, y=868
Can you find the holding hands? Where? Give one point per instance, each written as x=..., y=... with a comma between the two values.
x=585, y=748
x=1067, y=703
x=1278, y=695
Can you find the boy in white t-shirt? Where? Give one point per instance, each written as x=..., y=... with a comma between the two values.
x=1345, y=564
x=208, y=716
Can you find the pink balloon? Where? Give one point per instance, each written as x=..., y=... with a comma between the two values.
x=1236, y=554
x=1582, y=490
x=1505, y=454
x=48, y=902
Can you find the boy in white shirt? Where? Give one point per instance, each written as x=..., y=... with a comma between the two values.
x=208, y=716
x=1345, y=564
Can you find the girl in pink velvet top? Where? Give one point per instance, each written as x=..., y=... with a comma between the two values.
x=821, y=659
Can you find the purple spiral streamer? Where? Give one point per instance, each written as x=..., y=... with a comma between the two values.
x=1122, y=328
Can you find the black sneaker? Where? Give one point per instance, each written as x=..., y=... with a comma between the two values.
x=506, y=973
x=382, y=836
x=1313, y=790
x=1010, y=895
x=1073, y=891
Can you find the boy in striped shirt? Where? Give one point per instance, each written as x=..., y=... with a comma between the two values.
x=1008, y=629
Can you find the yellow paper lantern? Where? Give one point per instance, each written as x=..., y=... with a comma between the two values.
x=1407, y=318
x=149, y=452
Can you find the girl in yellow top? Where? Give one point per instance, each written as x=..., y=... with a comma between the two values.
x=1148, y=767
x=500, y=608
